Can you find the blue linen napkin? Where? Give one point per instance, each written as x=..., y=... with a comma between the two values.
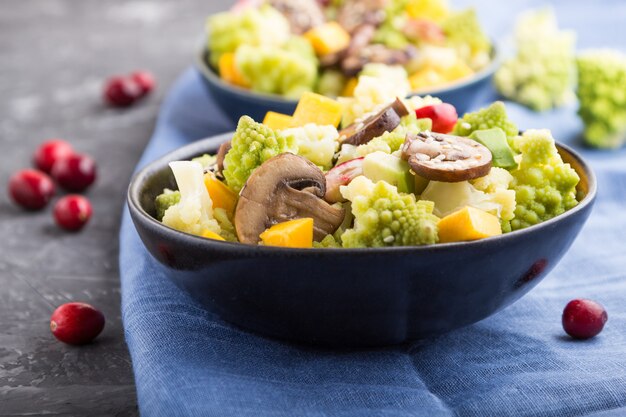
x=187, y=362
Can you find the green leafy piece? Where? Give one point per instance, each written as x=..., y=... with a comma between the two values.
x=329, y=241
x=164, y=201
x=495, y=140
x=542, y=74
x=544, y=185
x=228, y=229
x=206, y=160
x=385, y=217
x=227, y=31
x=602, y=97
x=252, y=144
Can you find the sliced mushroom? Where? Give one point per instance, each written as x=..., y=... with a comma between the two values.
x=283, y=188
x=446, y=158
x=386, y=120
x=221, y=154
x=301, y=14
x=361, y=37
x=354, y=13
x=376, y=53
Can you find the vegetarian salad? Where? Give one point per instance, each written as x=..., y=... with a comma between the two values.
x=407, y=173
x=288, y=47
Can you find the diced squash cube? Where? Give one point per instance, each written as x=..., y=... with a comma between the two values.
x=221, y=195
x=277, y=121
x=315, y=108
x=229, y=71
x=296, y=233
x=426, y=78
x=328, y=38
x=211, y=235
x=468, y=223
x=348, y=90
x=435, y=10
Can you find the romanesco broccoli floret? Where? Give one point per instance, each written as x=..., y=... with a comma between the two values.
x=487, y=118
x=194, y=212
x=278, y=69
x=389, y=33
x=316, y=143
x=331, y=83
x=206, y=160
x=378, y=85
x=164, y=201
x=227, y=31
x=385, y=217
x=542, y=74
x=463, y=31
x=329, y=241
x=544, y=185
x=602, y=96
x=252, y=144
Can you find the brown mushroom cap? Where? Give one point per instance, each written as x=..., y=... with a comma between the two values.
x=283, y=188
x=446, y=158
x=385, y=120
x=221, y=154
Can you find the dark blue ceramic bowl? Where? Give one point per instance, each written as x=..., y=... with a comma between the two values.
x=354, y=297
x=236, y=101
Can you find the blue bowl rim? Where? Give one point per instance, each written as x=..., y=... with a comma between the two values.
x=210, y=74
x=205, y=145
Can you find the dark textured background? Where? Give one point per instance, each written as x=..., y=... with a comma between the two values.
x=54, y=55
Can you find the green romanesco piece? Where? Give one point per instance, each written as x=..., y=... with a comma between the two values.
x=602, y=97
x=164, y=201
x=544, y=185
x=487, y=118
x=385, y=217
x=252, y=144
x=288, y=70
x=463, y=31
x=329, y=241
x=227, y=31
x=542, y=74
x=206, y=160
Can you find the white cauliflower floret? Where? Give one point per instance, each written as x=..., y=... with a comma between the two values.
x=489, y=193
x=417, y=102
x=316, y=143
x=377, y=86
x=194, y=212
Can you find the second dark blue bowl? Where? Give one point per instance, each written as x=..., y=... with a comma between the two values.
x=356, y=297
x=237, y=102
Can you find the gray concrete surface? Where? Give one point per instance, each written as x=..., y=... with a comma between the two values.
x=54, y=55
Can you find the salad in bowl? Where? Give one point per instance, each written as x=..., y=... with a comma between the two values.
x=288, y=47
x=408, y=172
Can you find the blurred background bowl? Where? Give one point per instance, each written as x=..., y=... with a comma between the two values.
x=236, y=101
x=353, y=297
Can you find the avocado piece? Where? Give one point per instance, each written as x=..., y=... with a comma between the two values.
x=495, y=140
x=379, y=166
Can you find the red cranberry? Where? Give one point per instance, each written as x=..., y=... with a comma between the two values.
x=121, y=91
x=443, y=116
x=72, y=212
x=76, y=323
x=31, y=189
x=583, y=319
x=48, y=152
x=144, y=80
x=74, y=172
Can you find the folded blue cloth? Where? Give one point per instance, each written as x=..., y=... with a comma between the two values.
x=188, y=362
